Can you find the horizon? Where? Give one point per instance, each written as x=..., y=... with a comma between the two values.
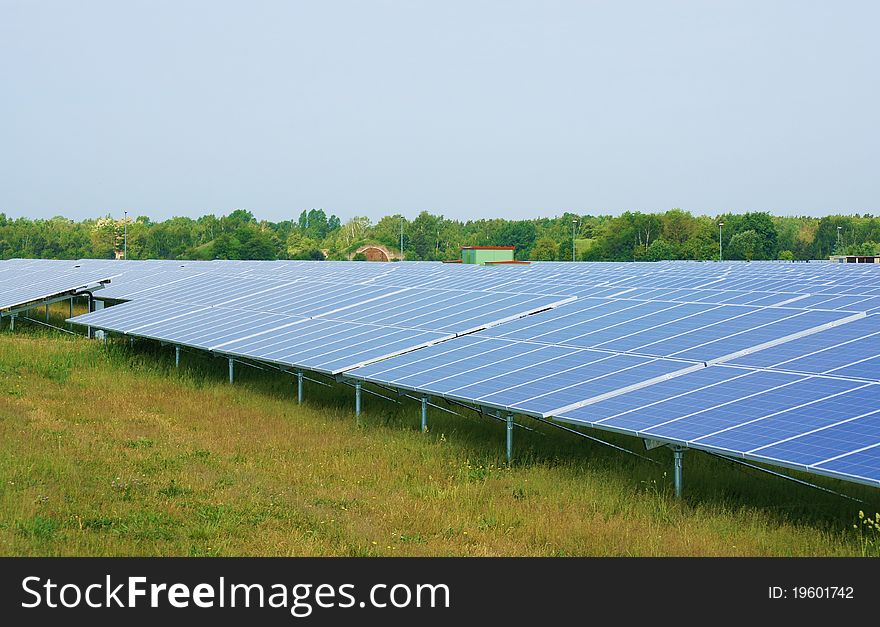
x=133, y=217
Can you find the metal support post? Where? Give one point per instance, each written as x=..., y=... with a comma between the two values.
x=357, y=400
x=12, y=322
x=509, y=438
x=424, y=414
x=299, y=387
x=231, y=370
x=47, y=312
x=177, y=357
x=677, y=454
x=96, y=305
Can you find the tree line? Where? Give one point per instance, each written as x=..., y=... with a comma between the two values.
x=631, y=236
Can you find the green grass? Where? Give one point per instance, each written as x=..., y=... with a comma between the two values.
x=582, y=245
x=110, y=450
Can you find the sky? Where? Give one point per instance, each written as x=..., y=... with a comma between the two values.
x=469, y=109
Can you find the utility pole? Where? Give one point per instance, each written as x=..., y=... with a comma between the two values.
x=720, y=224
x=401, y=238
x=574, y=222
x=838, y=239
x=125, y=236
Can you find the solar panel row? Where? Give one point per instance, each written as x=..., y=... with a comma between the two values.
x=766, y=361
x=358, y=323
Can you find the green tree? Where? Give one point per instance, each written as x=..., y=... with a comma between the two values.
x=827, y=235
x=545, y=249
x=745, y=245
x=353, y=232
x=520, y=234
x=762, y=224
x=660, y=250
x=387, y=230
x=678, y=226
x=424, y=235
x=301, y=247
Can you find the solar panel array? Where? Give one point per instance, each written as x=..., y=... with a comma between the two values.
x=773, y=362
x=27, y=280
x=281, y=317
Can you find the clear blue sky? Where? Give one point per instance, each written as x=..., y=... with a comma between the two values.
x=469, y=109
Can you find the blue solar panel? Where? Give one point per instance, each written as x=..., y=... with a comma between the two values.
x=771, y=427
x=794, y=420
x=650, y=399
x=628, y=355
x=721, y=319
x=848, y=350
x=210, y=327
x=310, y=298
x=753, y=330
x=321, y=326
x=19, y=288
x=128, y=317
x=329, y=346
x=828, y=442
x=754, y=404
x=863, y=464
x=552, y=400
x=542, y=369
x=693, y=400
x=526, y=376
x=481, y=361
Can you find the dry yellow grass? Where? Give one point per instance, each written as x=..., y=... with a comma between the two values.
x=108, y=450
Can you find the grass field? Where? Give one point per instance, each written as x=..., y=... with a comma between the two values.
x=110, y=450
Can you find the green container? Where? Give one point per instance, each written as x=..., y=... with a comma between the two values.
x=482, y=254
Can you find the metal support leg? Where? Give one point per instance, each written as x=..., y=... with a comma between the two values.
x=47, y=312
x=509, y=438
x=357, y=400
x=12, y=322
x=677, y=454
x=71, y=307
x=177, y=357
x=231, y=370
x=299, y=387
x=424, y=414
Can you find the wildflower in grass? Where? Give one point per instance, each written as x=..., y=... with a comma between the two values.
x=869, y=531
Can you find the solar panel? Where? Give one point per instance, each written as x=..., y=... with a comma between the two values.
x=849, y=350
x=208, y=327
x=636, y=349
x=266, y=319
x=522, y=376
x=777, y=417
x=20, y=287
x=699, y=332
x=329, y=346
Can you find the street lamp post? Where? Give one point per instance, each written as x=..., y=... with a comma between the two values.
x=125, y=236
x=720, y=257
x=574, y=222
x=838, y=239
